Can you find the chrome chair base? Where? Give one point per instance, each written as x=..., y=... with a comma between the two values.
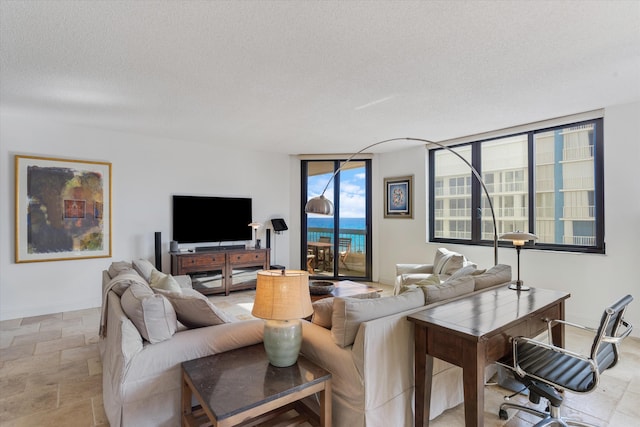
x=551, y=418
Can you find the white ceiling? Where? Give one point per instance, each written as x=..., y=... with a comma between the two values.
x=315, y=76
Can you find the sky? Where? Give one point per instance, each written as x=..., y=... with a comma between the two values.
x=352, y=191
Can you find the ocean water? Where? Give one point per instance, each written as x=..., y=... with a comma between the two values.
x=349, y=223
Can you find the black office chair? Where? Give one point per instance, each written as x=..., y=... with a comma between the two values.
x=547, y=370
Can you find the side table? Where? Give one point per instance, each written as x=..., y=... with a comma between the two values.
x=240, y=385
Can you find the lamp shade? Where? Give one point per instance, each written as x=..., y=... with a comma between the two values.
x=319, y=205
x=282, y=295
x=255, y=225
x=518, y=237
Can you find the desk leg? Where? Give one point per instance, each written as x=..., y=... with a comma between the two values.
x=557, y=331
x=423, y=364
x=473, y=382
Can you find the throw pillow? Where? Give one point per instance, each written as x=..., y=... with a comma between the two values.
x=349, y=313
x=160, y=280
x=497, y=274
x=454, y=263
x=121, y=282
x=442, y=256
x=464, y=271
x=447, y=262
x=322, y=312
x=153, y=315
x=144, y=268
x=448, y=289
x=118, y=267
x=193, y=309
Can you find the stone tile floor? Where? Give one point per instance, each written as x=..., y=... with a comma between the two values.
x=50, y=374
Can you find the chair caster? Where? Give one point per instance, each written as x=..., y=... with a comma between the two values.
x=503, y=414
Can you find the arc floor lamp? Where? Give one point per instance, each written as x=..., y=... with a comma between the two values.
x=323, y=206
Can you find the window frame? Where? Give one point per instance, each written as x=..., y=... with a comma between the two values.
x=476, y=191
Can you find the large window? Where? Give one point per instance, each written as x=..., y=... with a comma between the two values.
x=545, y=181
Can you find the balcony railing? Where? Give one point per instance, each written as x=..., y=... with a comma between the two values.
x=579, y=212
x=578, y=153
x=580, y=240
x=358, y=237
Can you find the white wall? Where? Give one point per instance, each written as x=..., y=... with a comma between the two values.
x=145, y=172
x=593, y=280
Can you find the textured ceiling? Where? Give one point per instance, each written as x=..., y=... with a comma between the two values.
x=315, y=77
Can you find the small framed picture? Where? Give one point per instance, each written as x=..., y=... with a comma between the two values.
x=398, y=197
x=63, y=209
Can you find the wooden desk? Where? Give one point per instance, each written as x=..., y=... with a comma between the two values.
x=475, y=331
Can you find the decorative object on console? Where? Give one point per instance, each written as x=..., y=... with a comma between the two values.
x=320, y=287
x=255, y=226
x=322, y=206
x=282, y=299
x=62, y=209
x=518, y=238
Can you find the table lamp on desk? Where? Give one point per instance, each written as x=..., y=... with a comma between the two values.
x=518, y=238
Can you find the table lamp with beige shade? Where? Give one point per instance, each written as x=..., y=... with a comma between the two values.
x=282, y=299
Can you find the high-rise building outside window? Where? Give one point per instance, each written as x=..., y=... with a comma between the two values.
x=545, y=181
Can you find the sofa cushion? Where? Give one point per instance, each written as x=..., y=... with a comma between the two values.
x=323, y=308
x=144, y=268
x=193, y=309
x=322, y=312
x=497, y=274
x=160, y=280
x=152, y=314
x=448, y=289
x=348, y=313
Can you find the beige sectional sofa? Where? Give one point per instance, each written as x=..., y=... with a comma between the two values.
x=141, y=380
x=367, y=344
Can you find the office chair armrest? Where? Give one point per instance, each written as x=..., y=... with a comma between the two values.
x=619, y=335
x=552, y=322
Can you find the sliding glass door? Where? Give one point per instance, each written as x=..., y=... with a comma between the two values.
x=338, y=246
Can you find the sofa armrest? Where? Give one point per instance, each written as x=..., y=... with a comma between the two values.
x=414, y=269
x=319, y=347
x=385, y=345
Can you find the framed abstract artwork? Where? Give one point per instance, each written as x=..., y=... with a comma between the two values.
x=398, y=197
x=63, y=209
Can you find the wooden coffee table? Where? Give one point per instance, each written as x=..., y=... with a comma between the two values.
x=240, y=385
x=347, y=288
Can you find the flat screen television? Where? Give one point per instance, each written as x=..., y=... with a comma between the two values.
x=199, y=219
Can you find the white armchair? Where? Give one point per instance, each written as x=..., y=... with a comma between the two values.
x=445, y=263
